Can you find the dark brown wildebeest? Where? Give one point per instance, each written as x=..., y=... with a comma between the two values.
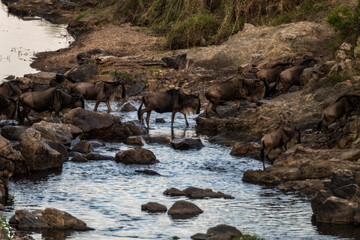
x=170, y=101
x=236, y=88
x=8, y=107
x=52, y=99
x=11, y=88
x=342, y=106
x=278, y=138
x=291, y=76
x=271, y=74
x=99, y=91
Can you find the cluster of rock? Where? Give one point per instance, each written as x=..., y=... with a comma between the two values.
x=339, y=202
x=184, y=209
x=49, y=218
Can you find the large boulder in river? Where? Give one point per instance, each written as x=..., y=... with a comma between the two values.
x=184, y=209
x=98, y=125
x=37, y=153
x=153, y=207
x=12, y=133
x=186, y=143
x=271, y=43
x=136, y=156
x=7, y=151
x=219, y=232
x=49, y=218
x=62, y=133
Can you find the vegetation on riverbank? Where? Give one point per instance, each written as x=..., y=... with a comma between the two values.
x=192, y=23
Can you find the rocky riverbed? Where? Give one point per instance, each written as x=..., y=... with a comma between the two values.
x=313, y=166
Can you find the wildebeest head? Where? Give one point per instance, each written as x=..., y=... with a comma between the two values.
x=9, y=107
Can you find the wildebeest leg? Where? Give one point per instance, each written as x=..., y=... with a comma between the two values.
x=96, y=105
x=208, y=108
x=147, y=118
x=23, y=115
x=187, y=124
x=172, y=119
x=108, y=106
x=238, y=105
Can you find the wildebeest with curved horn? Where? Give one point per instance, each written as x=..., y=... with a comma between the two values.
x=8, y=107
x=278, y=138
x=291, y=76
x=172, y=101
x=99, y=91
x=52, y=99
x=342, y=106
x=236, y=88
x=271, y=74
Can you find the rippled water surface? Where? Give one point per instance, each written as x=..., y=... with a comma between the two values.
x=108, y=195
x=20, y=40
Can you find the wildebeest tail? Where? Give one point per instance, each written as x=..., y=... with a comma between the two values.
x=273, y=89
x=139, y=109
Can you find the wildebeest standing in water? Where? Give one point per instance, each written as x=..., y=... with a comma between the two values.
x=236, y=88
x=170, y=101
x=99, y=91
x=342, y=106
x=278, y=138
x=8, y=107
x=52, y=99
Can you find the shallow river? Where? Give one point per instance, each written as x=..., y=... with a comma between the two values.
x=108, y=195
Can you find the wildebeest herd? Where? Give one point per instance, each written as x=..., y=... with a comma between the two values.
x=18, y=99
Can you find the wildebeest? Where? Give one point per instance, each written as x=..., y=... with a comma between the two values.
x=236, y=88
x=278, y=138
x=8, y=107
x=342, y=106
x=11, y=88
x=99, y=91
x=271, y=74
x=170, y=101
x=52, y=99
x=291, y=76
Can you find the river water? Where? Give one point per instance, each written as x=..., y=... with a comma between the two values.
x=20, y=40
x=108, y=195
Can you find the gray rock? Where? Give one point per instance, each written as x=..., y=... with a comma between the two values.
x=83, y=147
x=153, y=207
x=136, y=156
x=81, y=73
x=184, y=209
x=12, y=133
x=134, y=140
x=186, y=143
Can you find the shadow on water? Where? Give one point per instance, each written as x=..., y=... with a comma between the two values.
x=343, y=231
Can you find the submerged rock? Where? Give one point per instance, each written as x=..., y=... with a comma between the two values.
x=134, y=140
x=148, y=172
x=196, y=193
x=153, y=207
x=136, y=156
x=184, y=209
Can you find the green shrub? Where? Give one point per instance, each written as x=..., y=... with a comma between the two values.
x=346, y=21
x=81, y=15
x=193, y=31
x=4, y=226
